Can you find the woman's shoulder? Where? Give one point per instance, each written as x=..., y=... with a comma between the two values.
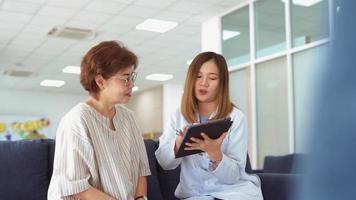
x=78, y=113
x=237, y=115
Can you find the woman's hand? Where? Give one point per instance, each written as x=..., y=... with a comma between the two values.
x=210, y=146
x=179, y=138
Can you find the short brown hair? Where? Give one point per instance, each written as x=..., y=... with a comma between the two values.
x=189, y=103
x=105, y=59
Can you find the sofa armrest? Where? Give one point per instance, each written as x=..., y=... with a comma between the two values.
x=276, y=186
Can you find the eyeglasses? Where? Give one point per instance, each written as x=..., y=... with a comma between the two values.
x=128, y=78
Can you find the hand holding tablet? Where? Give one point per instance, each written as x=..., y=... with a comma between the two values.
x=213, y=129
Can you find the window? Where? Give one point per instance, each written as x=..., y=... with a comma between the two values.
x=236, y=37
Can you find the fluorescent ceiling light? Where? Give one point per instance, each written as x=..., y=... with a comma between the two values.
x=159, y=77
x=156, y=25
x=71, y=70
x=135, y=88
x=305, y=3
x=229, y=34
x=52, y=83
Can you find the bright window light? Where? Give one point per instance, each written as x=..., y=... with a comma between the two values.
x=229, y=34
x=52, y=83
x=156, y=25
x=305, y=3
x=71, y=70
x=159, y=77
x=135, y=88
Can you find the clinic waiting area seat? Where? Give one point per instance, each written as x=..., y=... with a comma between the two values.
x=26, y=168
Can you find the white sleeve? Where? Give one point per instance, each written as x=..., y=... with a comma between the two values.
x=165, y=152
x=74, y=160
x=233, y=162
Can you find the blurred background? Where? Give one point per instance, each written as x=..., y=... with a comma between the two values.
x=274, y=50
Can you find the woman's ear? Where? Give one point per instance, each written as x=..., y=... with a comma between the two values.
x=100, y=81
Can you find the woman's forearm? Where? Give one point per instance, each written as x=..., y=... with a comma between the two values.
x=93, y=193
x=141, y=187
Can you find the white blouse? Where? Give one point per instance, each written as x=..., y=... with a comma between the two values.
x=89, y=153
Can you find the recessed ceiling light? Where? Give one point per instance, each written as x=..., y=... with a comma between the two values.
x=156, y=25
x=135, y=88
x=71, y=70
x=52, y=83
x=305, y=3
x=229, y=34
x=159, y=77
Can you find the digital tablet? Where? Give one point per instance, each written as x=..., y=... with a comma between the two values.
x=213, y=129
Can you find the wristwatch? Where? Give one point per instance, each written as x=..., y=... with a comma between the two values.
x=143, y=197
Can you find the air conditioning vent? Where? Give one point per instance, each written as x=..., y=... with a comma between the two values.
x=17, y=73
x=72, y=33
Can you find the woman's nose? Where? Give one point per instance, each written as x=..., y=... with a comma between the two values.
x=204, y=82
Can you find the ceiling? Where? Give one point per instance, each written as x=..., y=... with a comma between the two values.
x=24, y=44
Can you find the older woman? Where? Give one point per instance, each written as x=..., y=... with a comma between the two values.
x=100, y=152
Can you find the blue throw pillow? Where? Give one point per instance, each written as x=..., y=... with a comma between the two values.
x=24, y=169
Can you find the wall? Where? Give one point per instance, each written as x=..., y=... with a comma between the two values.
x=51, y=105
x=172, y=95
x=147, y=106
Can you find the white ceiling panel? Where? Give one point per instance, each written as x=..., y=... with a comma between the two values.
x=172, y=16
x=126, y=21
x=188, y=6
x=108, y=7
x=11, y=30
x=68, y=3
x=154, y=3
x=58, y=12
x=35, y=1
x=14, y=53
x=82, y=24
x=14, y=17
x=139, y=11
x=21, y=7
x=4, y=39
x=93, y=17
x=47, y=21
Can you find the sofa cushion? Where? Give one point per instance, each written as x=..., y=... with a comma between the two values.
x=168, y=180
x=153, y=187
x=24, y=169
x=278, y=164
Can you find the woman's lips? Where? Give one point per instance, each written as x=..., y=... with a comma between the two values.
x=202, y=92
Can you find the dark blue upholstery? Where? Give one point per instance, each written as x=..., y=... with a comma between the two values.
x=24, y=169
x=278, y=186
x=274, y=186
x=291, y=163
x=153, y=187
x=169, y=180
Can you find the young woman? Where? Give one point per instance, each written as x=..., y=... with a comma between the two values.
x=219, y=172
x=100, y=153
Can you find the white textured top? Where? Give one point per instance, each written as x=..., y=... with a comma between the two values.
x=88, y=153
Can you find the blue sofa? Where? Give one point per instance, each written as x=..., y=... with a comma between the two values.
x=26, y=169
x=162, y=183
